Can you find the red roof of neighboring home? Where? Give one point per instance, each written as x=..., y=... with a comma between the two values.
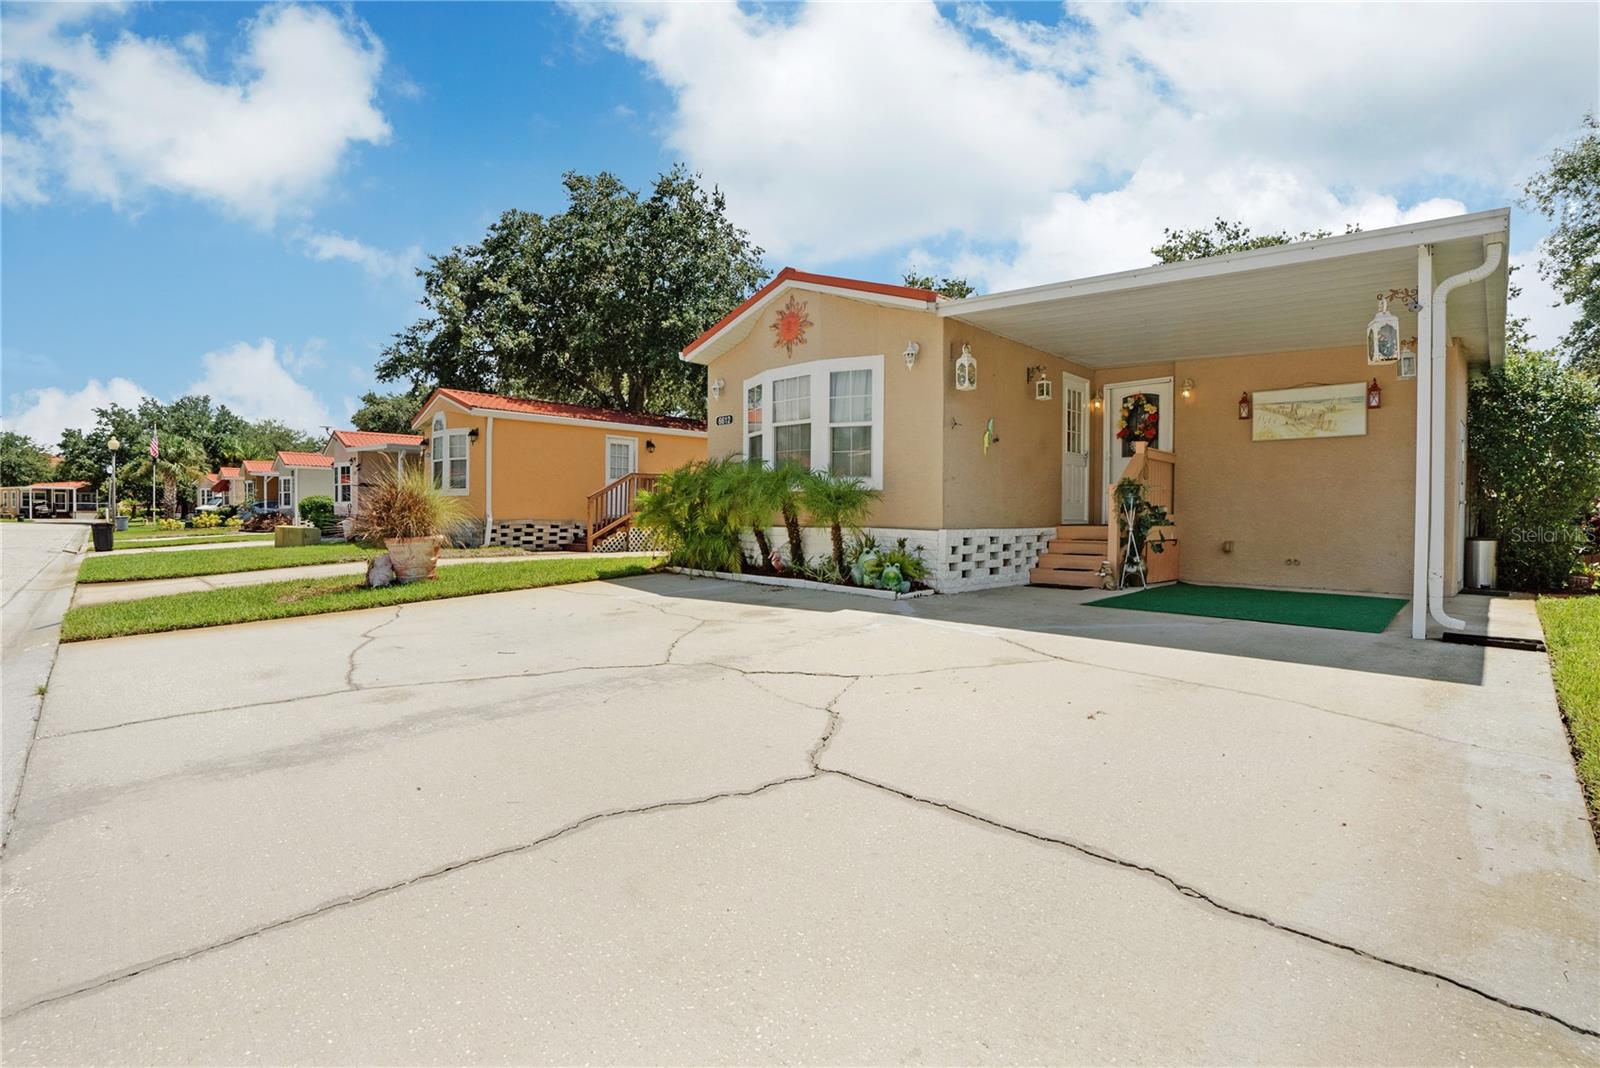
x=57, y=485
x=360, y=439
x=304, y=459
x=495, y=402
x=789, y=274
x=257, y=467
x=227, y=472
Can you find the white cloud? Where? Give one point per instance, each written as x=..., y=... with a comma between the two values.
x=1039, y=151
x=376, y=262
x=256, y=382
x=42, y=414
x=1548, y=318
x=115, y=122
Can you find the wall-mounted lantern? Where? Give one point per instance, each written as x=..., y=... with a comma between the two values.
x=1094, y=403
x=1188, y=388
x=649, y=446
x=717, y=387
x=1383, y=335
x=966, y=369
x=1374, y=395
x=912, y=349
x=473, y=434
x=1244, y=405
x=1408, y=359
x=1039, y=376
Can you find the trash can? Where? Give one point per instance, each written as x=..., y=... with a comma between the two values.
x=1479, y=564
x=122, y=522
x=103, y=542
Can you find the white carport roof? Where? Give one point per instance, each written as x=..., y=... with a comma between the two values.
x=1312, y=294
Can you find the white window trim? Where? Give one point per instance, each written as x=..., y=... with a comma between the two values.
x=439, y=436
x=346, y=490
x=821, y=440
x=633, y=453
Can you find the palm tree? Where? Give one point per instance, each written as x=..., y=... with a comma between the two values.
x=181, y=460
x=789, y=481
x=685, y=513
x=755, y=493
x=837, y=501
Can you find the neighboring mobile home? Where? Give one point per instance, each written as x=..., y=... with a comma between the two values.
x=46, y=500
x=361, y=457
x=223, y=487
x=298, y=475
x=994, y=425
x=544, y=475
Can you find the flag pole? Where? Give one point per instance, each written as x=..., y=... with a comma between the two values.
x=155, y=452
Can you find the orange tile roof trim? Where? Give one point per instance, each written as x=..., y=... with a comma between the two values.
x=57, y=485
x=304, y=459
x=356, y=439
x=789, y=274
x=496, y=402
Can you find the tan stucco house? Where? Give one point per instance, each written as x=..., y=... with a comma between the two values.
x=361, y=458
x=995, y=424
x=544, y=475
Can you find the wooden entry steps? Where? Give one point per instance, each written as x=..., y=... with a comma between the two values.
x=1072, y=558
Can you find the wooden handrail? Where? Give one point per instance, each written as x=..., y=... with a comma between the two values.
x=1158, y=470
x=611, y=506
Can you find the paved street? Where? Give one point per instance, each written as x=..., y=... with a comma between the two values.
x=669, y=820
x=37, y=564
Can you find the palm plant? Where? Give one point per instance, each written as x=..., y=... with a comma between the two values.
x=836, y=502
x=755, y=493
x=789, y=483
x=181, y=460
x=690, y=513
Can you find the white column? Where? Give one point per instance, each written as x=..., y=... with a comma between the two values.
x=1419, y=544
x=488, y=478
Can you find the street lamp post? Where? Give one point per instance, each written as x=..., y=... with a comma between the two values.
x=111, y=505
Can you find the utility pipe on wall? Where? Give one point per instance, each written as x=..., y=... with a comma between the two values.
x=1439, y=335
x=1419, y=532
x=488, y=478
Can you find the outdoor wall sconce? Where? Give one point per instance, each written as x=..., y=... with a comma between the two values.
x=649, y=446
x=1094, y=403
x=966, y=369
x=1244, y=405
x=717, y=387
x=473, y=434
x=1040, y=377
x=1408, y=359
x=1188, y=388
x=1383, y=335
x=912, y=349
x=1374, y=395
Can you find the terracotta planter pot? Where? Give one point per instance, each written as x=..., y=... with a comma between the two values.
x=414, y=558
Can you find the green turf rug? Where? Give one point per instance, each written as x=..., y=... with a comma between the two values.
x=1337, y=611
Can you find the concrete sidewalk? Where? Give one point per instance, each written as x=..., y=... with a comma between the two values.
x=107, y=592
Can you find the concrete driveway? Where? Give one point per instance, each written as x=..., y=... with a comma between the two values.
x=670, y=820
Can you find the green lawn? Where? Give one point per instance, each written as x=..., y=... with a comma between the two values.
x=213, y=562
x=1572, y=633
x=309, y=597
x=182, y=537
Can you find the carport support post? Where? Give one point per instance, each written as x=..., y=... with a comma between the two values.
x=1424, y=469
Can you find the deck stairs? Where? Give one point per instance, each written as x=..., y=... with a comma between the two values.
x=1072, y=558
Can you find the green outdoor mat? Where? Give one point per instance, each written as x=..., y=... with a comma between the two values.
x=1337, y=611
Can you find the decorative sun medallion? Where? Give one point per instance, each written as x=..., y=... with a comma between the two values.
x=789, y=326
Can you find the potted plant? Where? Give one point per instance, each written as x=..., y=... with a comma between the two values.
x=412, y=519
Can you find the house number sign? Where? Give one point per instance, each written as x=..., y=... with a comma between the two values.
x=724, y=420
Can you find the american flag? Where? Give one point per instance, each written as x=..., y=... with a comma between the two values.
x=155, y=446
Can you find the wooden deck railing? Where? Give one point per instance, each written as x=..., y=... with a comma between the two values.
x=1157, y=469
x=611, y=507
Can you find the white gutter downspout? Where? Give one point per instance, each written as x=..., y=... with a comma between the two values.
x=488, y=478
x=1439, y=313
x=1419, y=531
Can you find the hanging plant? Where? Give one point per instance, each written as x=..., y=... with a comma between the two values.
x=1146, y=517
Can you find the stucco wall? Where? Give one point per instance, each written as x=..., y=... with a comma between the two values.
x=912, y=407
x=1341, y=507
x=310, y=482
x=1018, y=483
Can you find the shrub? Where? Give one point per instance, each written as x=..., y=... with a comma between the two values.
x=169, y=524
x=207, y=520
x=406, y=505
x=233, y=522
x=268, y=522
x=1533, y=432
x=317, y=510
x=690, y=510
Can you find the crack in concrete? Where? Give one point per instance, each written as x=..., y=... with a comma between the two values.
x=565, y=829
x=367, y=638
x=1190, y=891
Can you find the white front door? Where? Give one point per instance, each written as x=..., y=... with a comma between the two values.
x=1074, y=449
x=622, y=457
x=1135, y=412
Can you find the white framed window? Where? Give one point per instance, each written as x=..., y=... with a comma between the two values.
x=826, y=414
x=622, y=457
x=341, y=484
x=449, y=456
x=286, y=493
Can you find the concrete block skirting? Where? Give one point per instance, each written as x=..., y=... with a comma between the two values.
x=537, y=535
x=958, y=560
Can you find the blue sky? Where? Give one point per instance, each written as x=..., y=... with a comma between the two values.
x=232, y=198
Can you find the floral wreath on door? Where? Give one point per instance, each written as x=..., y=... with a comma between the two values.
x=1139, y=420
